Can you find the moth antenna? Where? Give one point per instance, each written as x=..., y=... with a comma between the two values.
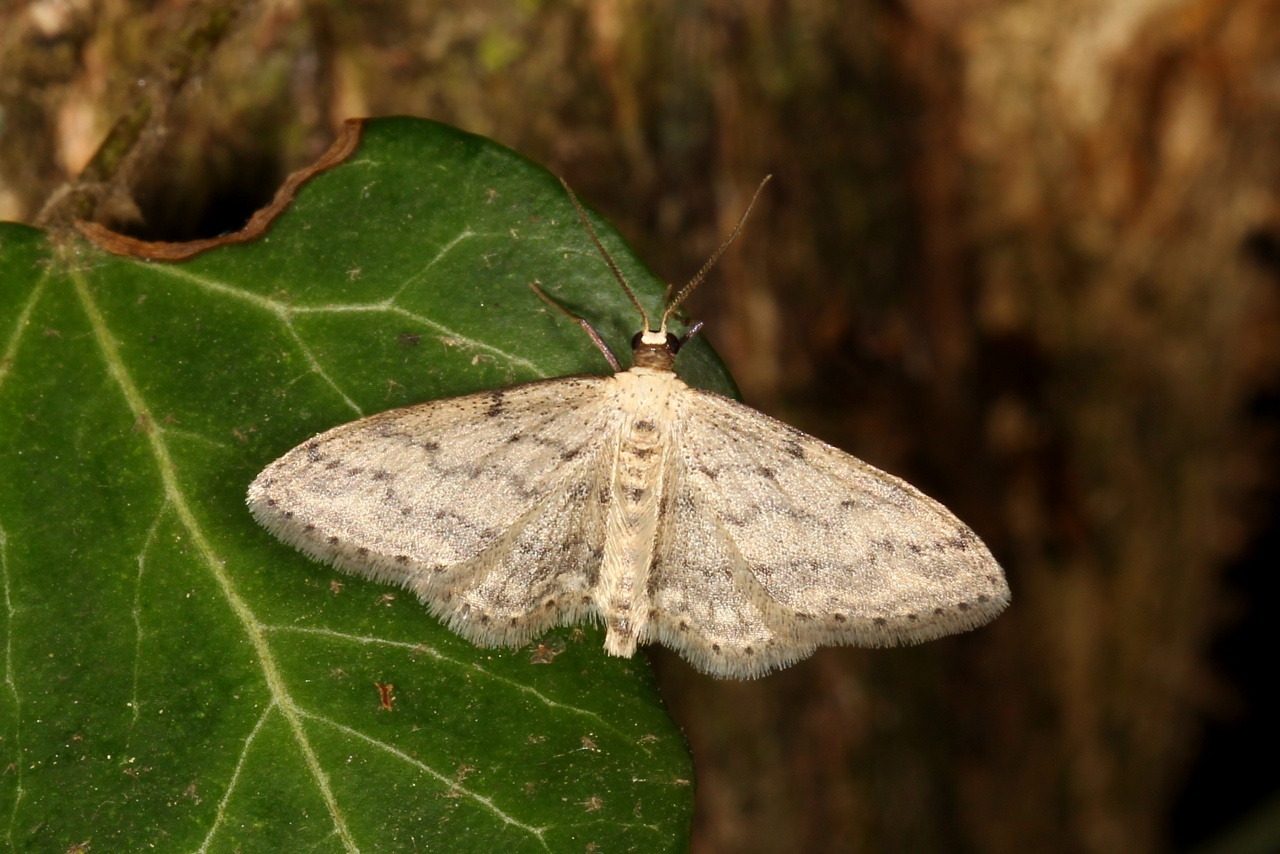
x=582, y=215
x=715, y=256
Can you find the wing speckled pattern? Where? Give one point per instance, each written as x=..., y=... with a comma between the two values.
x=801, y=545
x=475, y=503
x=669, y=514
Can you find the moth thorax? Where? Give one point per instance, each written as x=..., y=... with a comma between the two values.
x=654, y=350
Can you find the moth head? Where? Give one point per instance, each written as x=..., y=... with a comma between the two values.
x=655, y=349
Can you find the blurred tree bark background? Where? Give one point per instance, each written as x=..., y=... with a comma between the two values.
x=1025, y=253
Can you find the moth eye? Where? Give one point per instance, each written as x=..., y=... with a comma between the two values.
x=635, y=340
x=673, y=343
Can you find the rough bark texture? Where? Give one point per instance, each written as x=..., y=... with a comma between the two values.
x=1023, y=253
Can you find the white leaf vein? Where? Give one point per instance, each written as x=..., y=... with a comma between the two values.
x=452, y=784
x=439, y=656
x=177, y=498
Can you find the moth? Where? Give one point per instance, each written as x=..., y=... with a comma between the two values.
x=670, y=514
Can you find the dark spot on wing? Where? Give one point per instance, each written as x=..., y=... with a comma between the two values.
x=634, y=493
x=313, y=451
x=645, y=426
x=839, y=618
x=382, y=474
x=794, y=449
x=430, y=446
x=880, y=621
x=570, y=454
x=512, y=439
x=402, y=558
x=495, y=405
x=766, y=473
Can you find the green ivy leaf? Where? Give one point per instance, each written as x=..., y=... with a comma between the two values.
x=175, y=678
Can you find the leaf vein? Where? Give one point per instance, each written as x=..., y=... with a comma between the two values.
x=217, y=567
x=454, y=785
x=426, y=650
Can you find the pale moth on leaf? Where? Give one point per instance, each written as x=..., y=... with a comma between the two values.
x=673, y=515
